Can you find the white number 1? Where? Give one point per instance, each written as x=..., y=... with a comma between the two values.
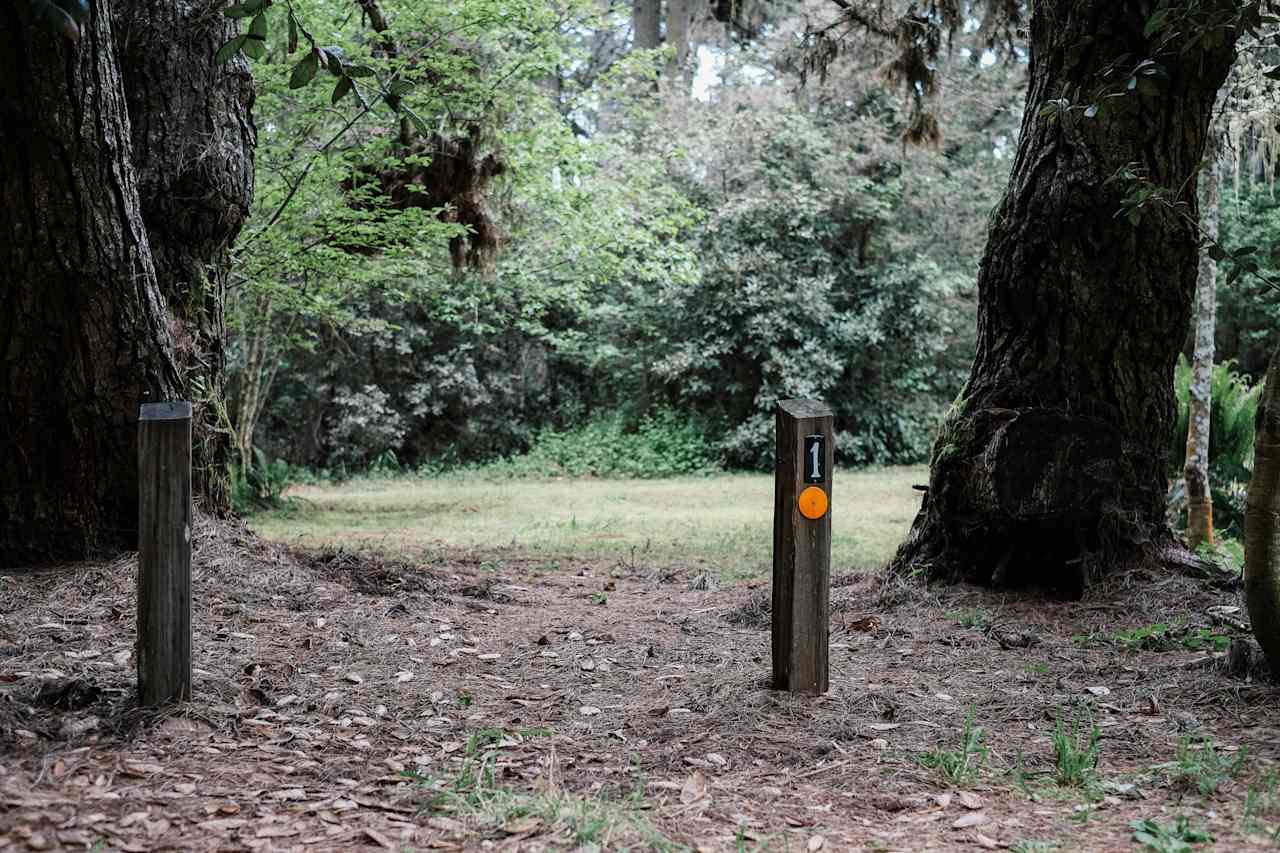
x=813, y=451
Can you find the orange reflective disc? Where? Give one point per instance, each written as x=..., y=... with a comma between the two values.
x=813, y=503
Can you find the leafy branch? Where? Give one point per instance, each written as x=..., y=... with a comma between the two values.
x=1143, y=195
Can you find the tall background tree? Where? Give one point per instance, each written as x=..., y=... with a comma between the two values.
x=1200, y=389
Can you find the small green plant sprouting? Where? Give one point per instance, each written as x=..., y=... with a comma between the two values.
x=1206, y=639
x=962, y=765
x=475, y=796
x=1177, y=837
x=476, y=778
x=599, y=598
x=1161, y=637
x=1085, y=641
x=1030, y=845
x=977, y=618
x=1152, y=637
x=482, y=738
x=1204, y=769
x=1259, y=801
x=1021, y=778
x=641, y=783
x=1075, y=758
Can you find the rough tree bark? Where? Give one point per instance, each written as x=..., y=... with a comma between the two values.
x=1262, y=522
x=679, y=21
x=1200, y=398
x=1051, y=463
x=84, y=329
x=646, y=20
x=192, y=142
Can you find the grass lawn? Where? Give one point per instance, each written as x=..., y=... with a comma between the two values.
x=723, y=520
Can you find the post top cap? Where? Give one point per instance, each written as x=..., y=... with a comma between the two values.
x=173, y=410
x=805, y=408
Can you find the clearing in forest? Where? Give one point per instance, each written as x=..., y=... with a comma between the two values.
x=489, y=700
x=720, y=522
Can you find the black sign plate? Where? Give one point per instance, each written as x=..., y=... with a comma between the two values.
x=815, y=459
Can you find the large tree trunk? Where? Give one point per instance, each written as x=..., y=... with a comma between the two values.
x=192, y=142
x=1262, y=522
x=85, y=331
x=1051, y=463
x=1200, y=398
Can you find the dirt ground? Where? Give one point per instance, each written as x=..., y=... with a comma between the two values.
x=500, y=702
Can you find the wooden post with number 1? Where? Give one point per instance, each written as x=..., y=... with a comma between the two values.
x=802, y=546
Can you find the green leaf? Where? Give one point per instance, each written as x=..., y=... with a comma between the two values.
x=1272, y=73
x=1155, y=23
x=359, y=71
x=332, y=56
x=293, y=34
x=399, y=87
x=229, y=50
x=256, y=43
x=245, y=9
x=419, y=122
x=340, y=90
x=1216, y=252
x=1245, y=250
x=304, y=71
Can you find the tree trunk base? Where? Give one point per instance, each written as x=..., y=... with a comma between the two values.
x=1037, y=498
x=1026, y=563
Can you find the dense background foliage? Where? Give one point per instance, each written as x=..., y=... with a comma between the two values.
x=657, y=252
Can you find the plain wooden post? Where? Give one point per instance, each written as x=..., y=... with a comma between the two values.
x=164, y=553
x=802, y=546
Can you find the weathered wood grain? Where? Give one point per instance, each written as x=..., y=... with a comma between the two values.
x=164, y=553
x=801, y=554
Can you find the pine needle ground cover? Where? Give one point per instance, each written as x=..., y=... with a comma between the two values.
x=344, y=700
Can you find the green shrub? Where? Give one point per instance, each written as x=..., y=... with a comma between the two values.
x=262, y=486
x=1231, y=415
x=662, y=444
